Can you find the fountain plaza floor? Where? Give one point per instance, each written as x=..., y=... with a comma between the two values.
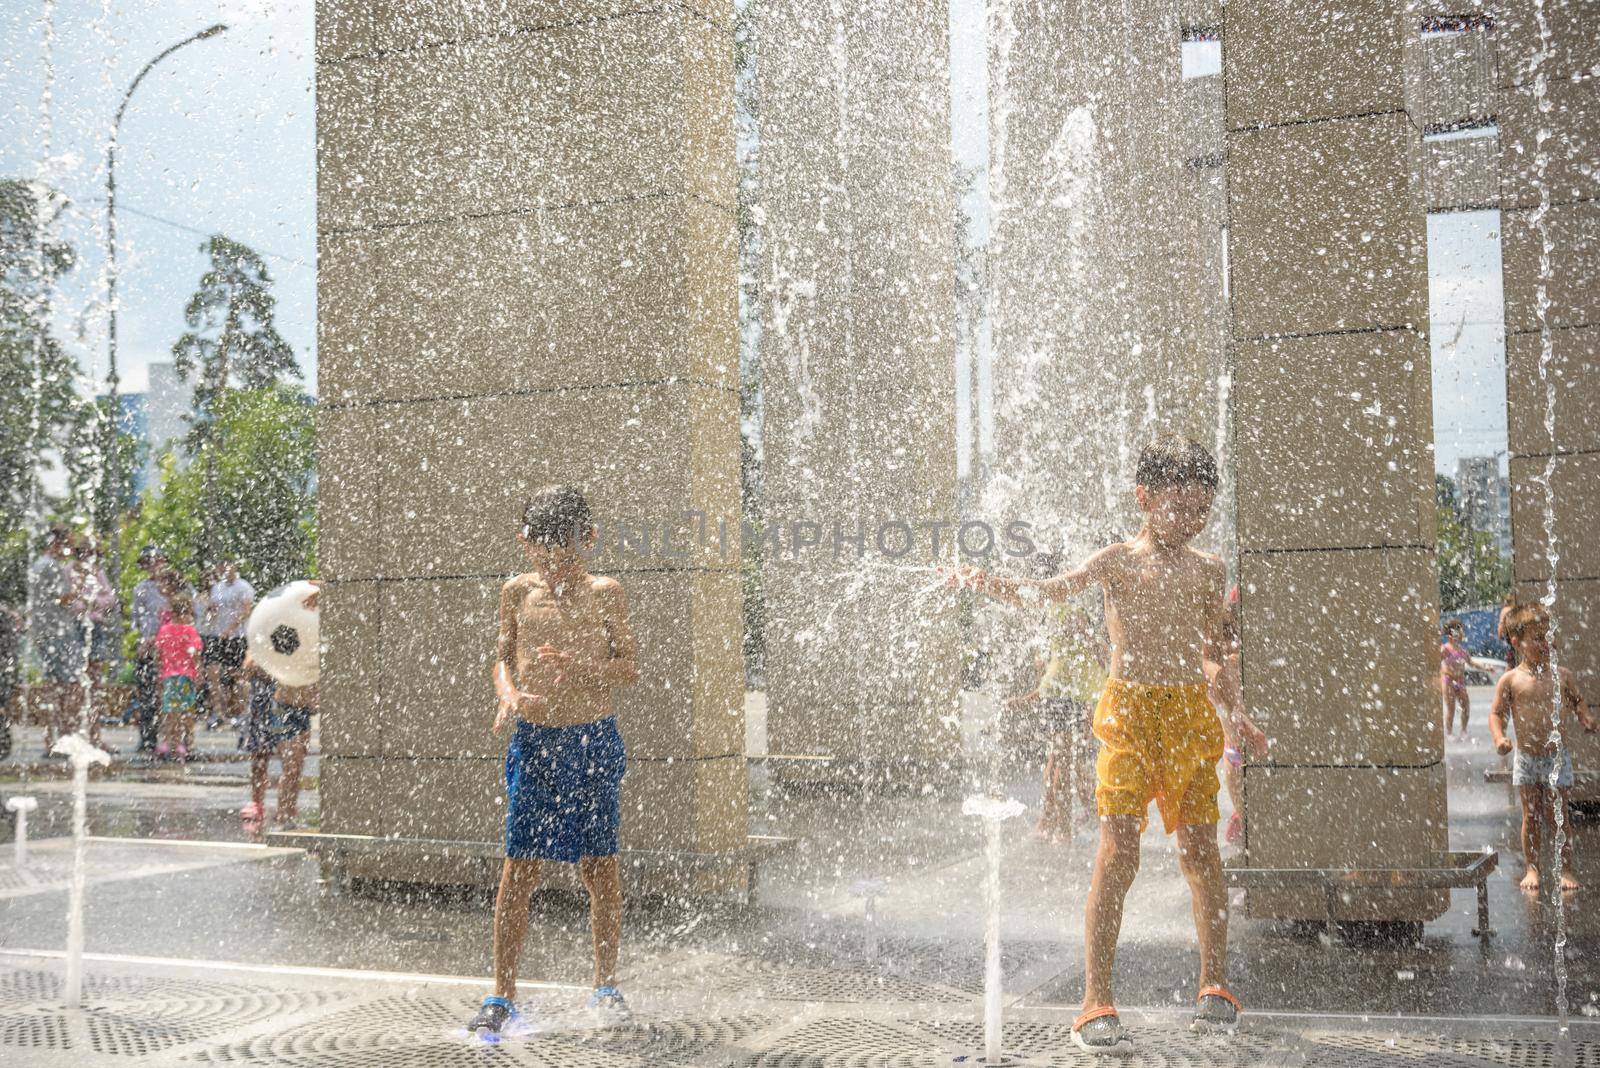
x=206, y=947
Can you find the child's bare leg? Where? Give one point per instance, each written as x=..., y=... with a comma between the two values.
x=517, y=880
x=1569, y=878
x=603, y=878
x=293, y=755
x=1464, y=704
x=1531, y=804
x=1201, y=862
x=1052, y=817
x=1116, y=862
x=259, y=764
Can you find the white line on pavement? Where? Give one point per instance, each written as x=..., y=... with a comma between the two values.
x=287, y=969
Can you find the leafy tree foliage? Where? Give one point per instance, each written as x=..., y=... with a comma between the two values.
x=1472, y=573
x=232, y=343
x=37, y=376
x=263, y=500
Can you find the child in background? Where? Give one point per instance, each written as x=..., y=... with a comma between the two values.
x=178, y=647
x=1526, y=698
x=1074, y=676
x=1453, y=663
x=277, y=721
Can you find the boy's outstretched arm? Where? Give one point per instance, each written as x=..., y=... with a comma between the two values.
x=1500, y=713
x=1019, y=591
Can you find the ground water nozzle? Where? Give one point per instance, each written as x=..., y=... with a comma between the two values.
x=21, y=806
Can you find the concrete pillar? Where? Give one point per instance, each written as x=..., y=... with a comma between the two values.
x=1567, y=340
x=858, y=362
x=1333, y=460
x=1450, y=87
x=527, y=275
x=1105, y=261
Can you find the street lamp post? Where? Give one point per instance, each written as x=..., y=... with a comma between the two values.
x=109, y=454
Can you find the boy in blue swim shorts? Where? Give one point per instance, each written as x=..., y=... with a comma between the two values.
x=564, y=647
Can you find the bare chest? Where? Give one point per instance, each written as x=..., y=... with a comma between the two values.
x=572, y=624
x=1156, y=594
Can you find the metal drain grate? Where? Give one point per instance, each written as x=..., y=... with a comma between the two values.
x=744, y=978
x=313, y=1023
x=681, y=1041
x=1510, y=1053
x=34, y=1032
x=844, y=1042
x=28, y=987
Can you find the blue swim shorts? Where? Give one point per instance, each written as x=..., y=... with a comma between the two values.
x=564, y=791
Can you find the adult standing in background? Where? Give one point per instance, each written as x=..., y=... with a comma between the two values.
x=148, y=605
x=57, y=633
x=232, y=600
x=98, y=604
x=205, y=623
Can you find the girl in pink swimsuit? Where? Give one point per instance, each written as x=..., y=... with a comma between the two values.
x=1453, y=662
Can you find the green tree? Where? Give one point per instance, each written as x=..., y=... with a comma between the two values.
x=1472, y=572
x=101, y=445
x=232, y=343
x=263, y=508
x=37, y=376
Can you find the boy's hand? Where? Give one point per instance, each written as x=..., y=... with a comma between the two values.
x=1503, y=746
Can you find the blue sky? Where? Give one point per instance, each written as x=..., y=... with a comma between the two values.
x=221, y=137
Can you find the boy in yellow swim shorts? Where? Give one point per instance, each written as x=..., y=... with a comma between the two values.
x=1160, y=738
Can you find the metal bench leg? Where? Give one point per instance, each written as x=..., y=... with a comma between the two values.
x=1483, y=930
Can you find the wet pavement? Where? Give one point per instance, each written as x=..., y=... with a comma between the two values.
x=807, y=939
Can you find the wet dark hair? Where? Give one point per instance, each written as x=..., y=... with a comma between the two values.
x=557, y=515
x=1175, y=462
x=1453, y=626
x=180, y=603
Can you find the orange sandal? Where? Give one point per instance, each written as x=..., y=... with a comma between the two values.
x=1099, y=1031
x=1217, y=1012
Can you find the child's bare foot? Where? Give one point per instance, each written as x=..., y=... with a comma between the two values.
x=1530, y=881
x=1569, y=881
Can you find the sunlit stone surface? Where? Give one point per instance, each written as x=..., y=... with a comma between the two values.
x=528, y=276
x=1332, y=431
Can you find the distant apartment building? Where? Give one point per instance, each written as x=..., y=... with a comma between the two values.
x=155, y=418
x=1486, y=498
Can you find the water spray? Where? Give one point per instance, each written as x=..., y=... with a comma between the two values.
x=20, y=806
x=77, y=749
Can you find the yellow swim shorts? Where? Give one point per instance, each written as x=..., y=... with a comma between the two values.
x=1157, y=743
